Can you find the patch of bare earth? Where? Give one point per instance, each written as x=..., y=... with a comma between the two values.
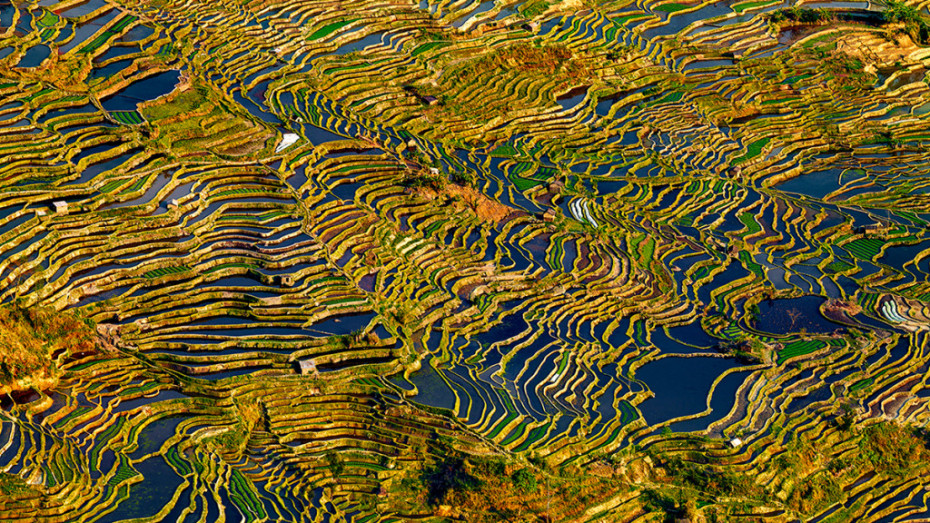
x=879, y=49
x=463, y=197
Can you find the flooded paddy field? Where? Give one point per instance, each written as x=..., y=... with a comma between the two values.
x=410, y=260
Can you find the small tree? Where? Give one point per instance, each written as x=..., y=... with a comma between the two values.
x=524, y=480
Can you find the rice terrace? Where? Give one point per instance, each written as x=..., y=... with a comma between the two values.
x=469, y=260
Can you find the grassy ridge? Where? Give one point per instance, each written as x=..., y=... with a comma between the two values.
x=29, y=340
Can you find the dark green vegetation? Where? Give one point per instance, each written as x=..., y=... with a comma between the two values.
x=915, y=24
x=807, y=473
x=392, y=261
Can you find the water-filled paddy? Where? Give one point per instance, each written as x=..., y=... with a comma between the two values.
x=793, y=315
x=681, y=385
x=34, y=56
x=148, y=88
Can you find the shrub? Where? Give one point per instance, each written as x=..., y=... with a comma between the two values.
x=490, y=466
x=448, y=475
x=914, y=23
x=524, y=480
x=532, y=9
x=815, y=492
x=892, y=448
x=31, y=337
x=708, y=479
x=800, y=15
x=417, y=180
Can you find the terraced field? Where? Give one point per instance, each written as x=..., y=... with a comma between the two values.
x=477, y=261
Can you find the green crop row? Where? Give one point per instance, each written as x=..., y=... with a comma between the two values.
x=329, y=29
x=166, y=270
x=753, y=150
x=123, y=472
x=750, y=263
x=672, y=7
x=749, y=221
x=111, y=186
x=127, y=117
x=244, y=498
x=534, y=436
x=504, y=150
x=48, y=19
x=864, y=248
x=739, y=8
x=179, y=463
x=97, y=42
x=511, y=414
x=799, y=348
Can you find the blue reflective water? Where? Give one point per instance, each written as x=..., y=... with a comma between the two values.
x=34, y=56
x=681, y=385
x=148, y=88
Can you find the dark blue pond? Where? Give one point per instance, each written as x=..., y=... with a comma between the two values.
x=138, y=32
x=572, y=99
x=681, y=385
x=433, y=390
x=146, y=498
x=721, y=403
x=898, y=256
x=792, y=315
x=139, y=91
x=34, y=56
x=110, y=69
x=6, y=14
x=815, y=184
x=116, y=51
x=358, y=45
x=83, y=9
